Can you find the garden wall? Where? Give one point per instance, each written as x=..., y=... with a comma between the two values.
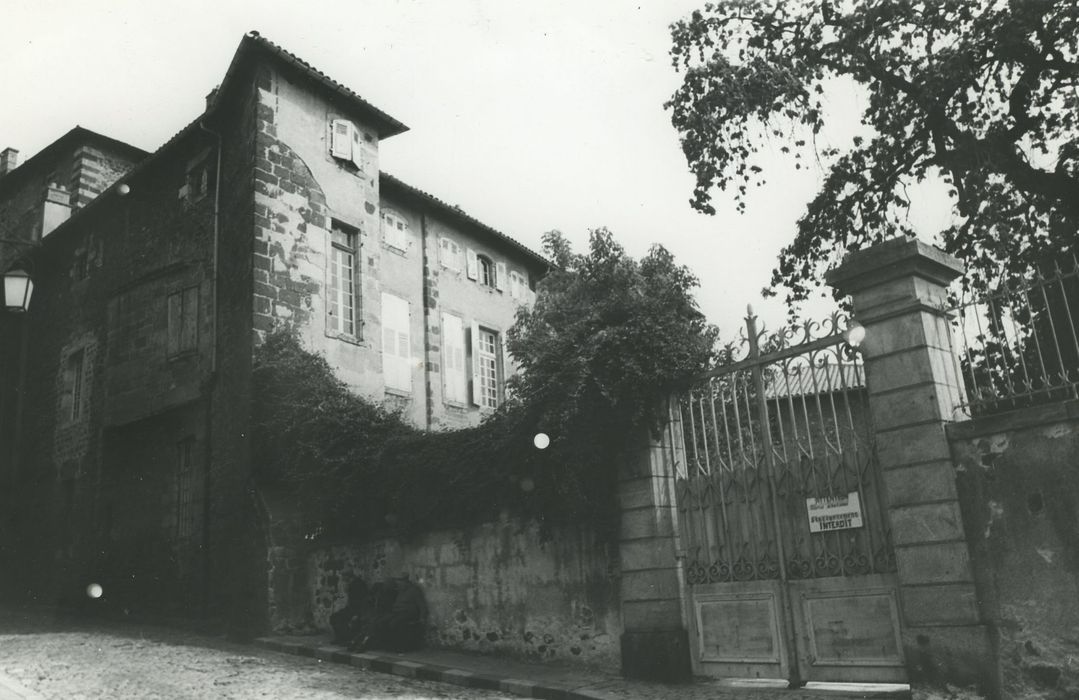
x=495, y=588
x=1018, y=479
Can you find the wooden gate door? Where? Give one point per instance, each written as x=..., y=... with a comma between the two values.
x=788, y=557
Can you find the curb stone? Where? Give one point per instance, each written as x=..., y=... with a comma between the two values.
x=393, y=664
x=547, y=690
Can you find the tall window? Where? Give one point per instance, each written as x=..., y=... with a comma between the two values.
x=341, y=301
x=185, y=488
x=183, y=320
x=76, y=371
x=487, y=271
x=396, y=343
x=487, y=365
x=455, y=380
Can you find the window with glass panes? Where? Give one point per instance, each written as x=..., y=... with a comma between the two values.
x=488, y=368
x=487, y=271
x=341, y=301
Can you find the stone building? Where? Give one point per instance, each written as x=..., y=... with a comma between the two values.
x=125, y=409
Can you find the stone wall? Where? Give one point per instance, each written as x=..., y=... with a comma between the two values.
x=499, y=588
x=1019, y=490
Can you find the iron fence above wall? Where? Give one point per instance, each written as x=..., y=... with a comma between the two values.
x=1018, y=344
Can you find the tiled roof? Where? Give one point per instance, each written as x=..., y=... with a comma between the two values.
x=76, y=136
x=807, y=380
x=391, y=184
x=253, y=41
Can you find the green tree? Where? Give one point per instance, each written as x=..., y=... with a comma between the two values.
x=601, y=346
x=981, y=95
x=599, y=349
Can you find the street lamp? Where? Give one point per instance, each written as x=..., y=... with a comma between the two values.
x=17, y=289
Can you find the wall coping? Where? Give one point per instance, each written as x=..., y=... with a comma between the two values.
x=1016, y=419
x=891, y=260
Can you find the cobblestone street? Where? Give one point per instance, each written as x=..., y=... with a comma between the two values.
x=59, y=659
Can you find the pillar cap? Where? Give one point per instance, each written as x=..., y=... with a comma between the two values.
x=893, y=259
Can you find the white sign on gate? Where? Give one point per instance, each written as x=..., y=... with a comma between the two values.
x=829, y=513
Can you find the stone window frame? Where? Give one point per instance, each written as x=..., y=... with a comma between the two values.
x=335, y=249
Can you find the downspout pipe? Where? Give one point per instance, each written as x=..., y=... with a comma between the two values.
x=211, y=382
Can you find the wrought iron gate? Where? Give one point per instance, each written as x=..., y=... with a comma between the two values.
x=788, y=557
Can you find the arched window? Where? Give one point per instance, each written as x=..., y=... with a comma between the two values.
x=487, y=271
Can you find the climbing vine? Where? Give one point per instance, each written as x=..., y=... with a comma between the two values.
x=599, y=349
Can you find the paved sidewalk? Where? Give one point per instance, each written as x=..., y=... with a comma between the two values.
x=552, y=681
x=11, y=690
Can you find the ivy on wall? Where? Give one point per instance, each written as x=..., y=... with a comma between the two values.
x=605, y=338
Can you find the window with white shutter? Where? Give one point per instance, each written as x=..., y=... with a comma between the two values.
x=394, y=229
x=357, y=149
x=454, y=377
x=342, y=138
x=472, y=264
x=500, y=277
x=396, y=343
x=449, y=254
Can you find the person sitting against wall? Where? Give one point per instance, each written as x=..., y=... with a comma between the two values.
x=402, y=627
x=348, y=623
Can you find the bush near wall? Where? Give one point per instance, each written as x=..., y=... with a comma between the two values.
x=604, y=340
x=355, y=468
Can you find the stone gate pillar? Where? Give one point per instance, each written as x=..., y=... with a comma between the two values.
x=898, y=288
x=655, y=645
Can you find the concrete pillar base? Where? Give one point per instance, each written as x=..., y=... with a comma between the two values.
x=964, y=655
x=660, y=655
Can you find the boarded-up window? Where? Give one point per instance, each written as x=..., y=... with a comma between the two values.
x=185, y=488
x=454, y=376
x=396, y=343
x=183, y=320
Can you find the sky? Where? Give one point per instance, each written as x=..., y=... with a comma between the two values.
x=531, y=116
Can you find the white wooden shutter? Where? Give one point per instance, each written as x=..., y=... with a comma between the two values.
x=472, y=264
x=507, y=366
x=454, y=379
x=444, y=258
x=341, y=139
x=396, y=343
x=500, y=276
x=357, y=148
x=477, y=390
x=515, y=286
